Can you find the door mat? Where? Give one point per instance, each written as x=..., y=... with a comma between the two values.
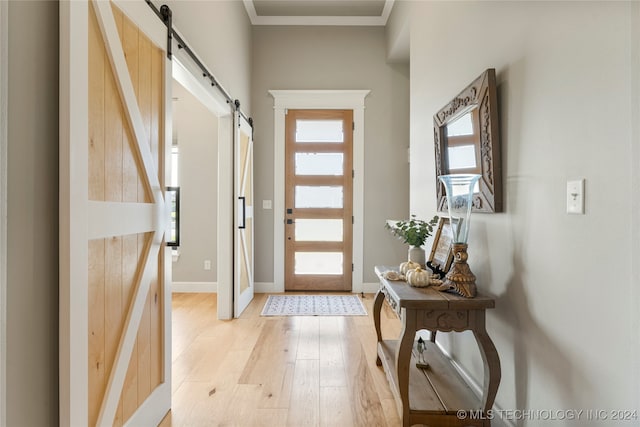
x=313, y=305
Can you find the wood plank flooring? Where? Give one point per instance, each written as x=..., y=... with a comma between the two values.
x=277, y=371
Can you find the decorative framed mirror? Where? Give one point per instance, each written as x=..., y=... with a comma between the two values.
x=467, y=140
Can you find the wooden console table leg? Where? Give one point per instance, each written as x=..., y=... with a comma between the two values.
x=403, y=360
x=492, y=372
x=377, y=307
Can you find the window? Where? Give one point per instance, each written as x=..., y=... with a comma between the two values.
x=174, y=166
x=173, y=194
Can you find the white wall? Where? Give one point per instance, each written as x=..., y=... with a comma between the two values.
x=32, y=270
x=566, y=321
x=336, y=58
x=196, y=129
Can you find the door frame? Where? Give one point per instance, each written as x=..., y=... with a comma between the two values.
x=188, y=74
x=318, y=100
x=4, y=67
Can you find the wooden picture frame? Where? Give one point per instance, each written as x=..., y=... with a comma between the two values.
x=478, y=104
x=441, y=255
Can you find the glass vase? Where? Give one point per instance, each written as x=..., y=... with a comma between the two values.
x=460, y=189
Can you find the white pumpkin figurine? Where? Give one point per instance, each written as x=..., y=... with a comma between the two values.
x=419, y=278
x=408, y=265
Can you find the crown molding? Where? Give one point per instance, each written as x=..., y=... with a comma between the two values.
x=352, y=21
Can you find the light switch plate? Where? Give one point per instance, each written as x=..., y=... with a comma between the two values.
x=266, y=204
x=575, y=197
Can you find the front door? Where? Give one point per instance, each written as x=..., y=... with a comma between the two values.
x=318, y=200
x=115, y=297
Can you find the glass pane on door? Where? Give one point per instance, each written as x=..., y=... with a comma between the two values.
x=318, y=263
x=319, y=131
x=318, y=230
x=318, y=196
x=319, y=164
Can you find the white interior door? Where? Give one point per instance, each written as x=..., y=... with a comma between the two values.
x=243, y=241
x=115, y=298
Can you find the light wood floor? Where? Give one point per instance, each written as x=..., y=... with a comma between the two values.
x=277, y=371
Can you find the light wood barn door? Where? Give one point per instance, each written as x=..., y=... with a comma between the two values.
x=243, y=243
x=114, y=266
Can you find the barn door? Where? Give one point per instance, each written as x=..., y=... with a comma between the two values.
x=243, y=242
x=114, y=267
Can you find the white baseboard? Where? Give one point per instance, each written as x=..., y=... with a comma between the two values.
x=367, y=288
x=265, y=288
x=203, y=287
x=497, y=420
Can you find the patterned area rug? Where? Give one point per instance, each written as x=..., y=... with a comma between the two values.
x=313, y=305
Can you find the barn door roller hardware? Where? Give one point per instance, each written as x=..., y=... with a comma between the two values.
x=165, y=14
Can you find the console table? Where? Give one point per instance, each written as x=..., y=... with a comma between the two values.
x=435, y=395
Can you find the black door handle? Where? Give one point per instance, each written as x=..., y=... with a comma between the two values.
x=244, y=212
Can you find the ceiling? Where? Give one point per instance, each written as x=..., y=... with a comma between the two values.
x=319, y=12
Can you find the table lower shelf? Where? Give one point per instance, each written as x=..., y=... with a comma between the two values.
x=436, y=393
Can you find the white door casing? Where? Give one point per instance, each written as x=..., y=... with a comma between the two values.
x=84, y=220
x=315, y=100
x=189, y=75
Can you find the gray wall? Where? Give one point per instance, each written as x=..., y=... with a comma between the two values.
x=566, y=322
x=336, y=58
x=566, y=286
x=196, y=129
x=32, y=289
x=220, y=33
x=398, y=34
